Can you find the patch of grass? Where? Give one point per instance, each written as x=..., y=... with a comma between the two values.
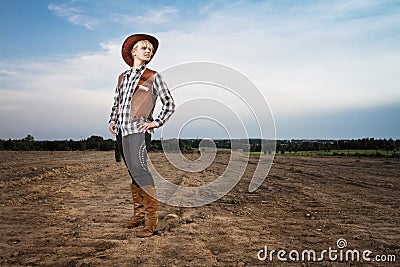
x=296, y=169
x=230, y=201
x=344, y=152
x=258, y=153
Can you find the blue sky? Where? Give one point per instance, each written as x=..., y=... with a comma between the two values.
x=328, y=69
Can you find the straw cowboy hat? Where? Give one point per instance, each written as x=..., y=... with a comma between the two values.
x=131, y=41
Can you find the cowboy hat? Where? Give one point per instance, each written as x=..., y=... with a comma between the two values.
x=131, y=41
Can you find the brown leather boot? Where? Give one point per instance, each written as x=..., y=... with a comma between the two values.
x=150, y=204
x=138, y=208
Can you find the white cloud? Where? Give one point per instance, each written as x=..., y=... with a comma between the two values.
x=64, y=98
x=327, y=68
x=152, y=16
x=73, y=15
x=6, y=73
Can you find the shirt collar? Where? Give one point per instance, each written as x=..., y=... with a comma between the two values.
x=128, y=72
x=139, y=69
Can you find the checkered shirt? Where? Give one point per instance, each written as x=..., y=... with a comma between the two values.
x=120, y=111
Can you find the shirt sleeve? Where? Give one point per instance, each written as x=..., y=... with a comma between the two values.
x=115, y=107
x=168, y=105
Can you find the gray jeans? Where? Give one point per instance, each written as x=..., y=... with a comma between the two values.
x=135, y=153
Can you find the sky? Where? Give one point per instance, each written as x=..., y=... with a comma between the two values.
x=326, y=69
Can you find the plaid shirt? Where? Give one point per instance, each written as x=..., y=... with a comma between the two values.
x=120, y=110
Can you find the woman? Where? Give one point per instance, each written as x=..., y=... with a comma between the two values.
x=131, y=114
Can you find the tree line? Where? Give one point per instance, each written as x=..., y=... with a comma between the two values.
x=341, y=147
x=336, y=147
x=29, y=144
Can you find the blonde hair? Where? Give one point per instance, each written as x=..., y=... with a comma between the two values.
x=144, y=43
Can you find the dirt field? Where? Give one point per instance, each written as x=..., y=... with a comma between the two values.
x=65, y=209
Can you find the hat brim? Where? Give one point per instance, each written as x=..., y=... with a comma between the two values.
x=131, y=41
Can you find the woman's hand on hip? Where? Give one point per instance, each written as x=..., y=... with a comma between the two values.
x=145, y=126
x=111, y=128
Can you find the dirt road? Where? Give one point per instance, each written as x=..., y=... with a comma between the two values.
x=65, y=208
